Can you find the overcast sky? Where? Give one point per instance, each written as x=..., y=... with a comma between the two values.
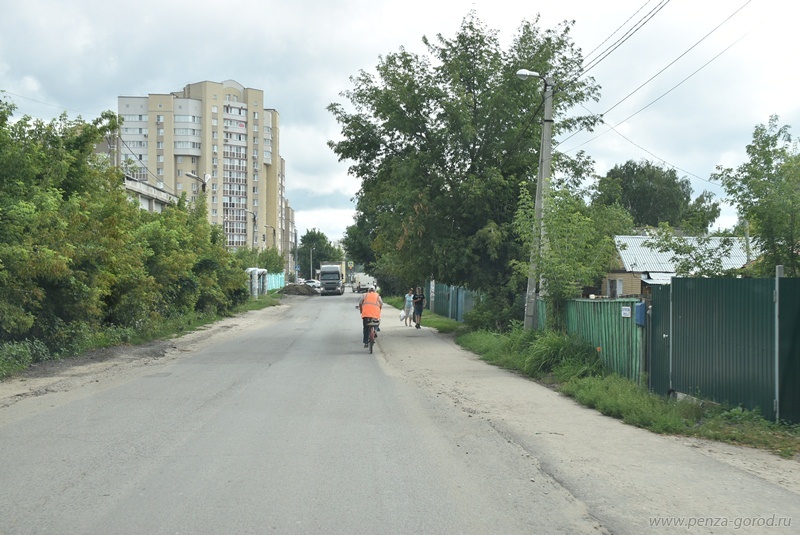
x=79, y=56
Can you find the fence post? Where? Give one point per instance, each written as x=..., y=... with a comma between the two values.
x=777, y=299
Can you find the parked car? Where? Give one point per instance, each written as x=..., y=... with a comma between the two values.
x=314, y=283
x=301, y=280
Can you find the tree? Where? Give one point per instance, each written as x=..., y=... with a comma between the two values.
x=77, y=257
x=443, y=142
x=694, y=256
x=766, y=191
x=653, y=194
x=315, y=247
x=578, y=249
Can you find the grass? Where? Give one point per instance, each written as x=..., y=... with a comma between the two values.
x=567, y=365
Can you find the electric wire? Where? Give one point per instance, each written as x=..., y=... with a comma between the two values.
x=615, y=31
x=638, y=26
x=122, y=141
x=676, y=59
x=657, y=99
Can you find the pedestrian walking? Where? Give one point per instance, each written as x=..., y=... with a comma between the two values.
x=419, y=303
x=408, y=308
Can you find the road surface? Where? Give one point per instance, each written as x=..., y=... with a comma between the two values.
x=279, y=421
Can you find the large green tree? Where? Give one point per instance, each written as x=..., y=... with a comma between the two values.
x=316, y=247
x=77, y=257
x=654, y=194
x=766, y=192
x=442, y=143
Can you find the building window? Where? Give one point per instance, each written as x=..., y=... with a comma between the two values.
x=179, y=186
x=214, y=200
x=214, y=109
x=180, y=159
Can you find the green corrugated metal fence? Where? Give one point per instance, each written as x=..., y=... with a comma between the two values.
x=723, y=341
x=716, y=339
x=603, y=324
x=789, y=350
x=658, y=326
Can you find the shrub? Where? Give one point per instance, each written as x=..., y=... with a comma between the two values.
x=16, y=356
x=565, y=356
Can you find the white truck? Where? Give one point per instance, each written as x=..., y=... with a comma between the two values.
x=362, y=282
x=331, y=278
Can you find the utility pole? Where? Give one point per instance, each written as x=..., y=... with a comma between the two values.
x=535, y=280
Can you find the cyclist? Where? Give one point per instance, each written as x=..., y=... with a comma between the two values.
x=370, y=306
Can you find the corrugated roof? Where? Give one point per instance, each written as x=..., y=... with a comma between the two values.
x=658, y=278
x=639, y=258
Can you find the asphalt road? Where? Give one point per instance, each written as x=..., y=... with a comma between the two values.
x=281, y=422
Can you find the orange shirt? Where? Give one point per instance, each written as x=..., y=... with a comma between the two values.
x=370, y=307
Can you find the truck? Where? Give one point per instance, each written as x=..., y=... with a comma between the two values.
x=331, y=278
x=361, y=282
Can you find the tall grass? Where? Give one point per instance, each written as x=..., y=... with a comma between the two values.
x=575, y=369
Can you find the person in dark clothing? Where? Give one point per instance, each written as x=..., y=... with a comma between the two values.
x=419, y=304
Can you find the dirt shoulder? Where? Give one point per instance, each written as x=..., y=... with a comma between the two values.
x=107, y=366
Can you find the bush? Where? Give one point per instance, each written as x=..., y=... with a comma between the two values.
x=16, y=356
x=564, y=356
x=496, y=313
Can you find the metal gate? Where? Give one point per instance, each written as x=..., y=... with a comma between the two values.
x=658, y=340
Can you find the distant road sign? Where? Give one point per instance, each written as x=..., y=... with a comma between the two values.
x=350, y=264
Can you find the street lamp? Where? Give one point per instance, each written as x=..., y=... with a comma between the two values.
x=274, y=239
x=542, y=186
x=202, y=181
x=255, y=225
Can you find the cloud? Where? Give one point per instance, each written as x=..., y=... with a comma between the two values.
x=79, y=56
x=329, y=221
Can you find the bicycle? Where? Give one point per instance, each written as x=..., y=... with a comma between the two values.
x=372, y=334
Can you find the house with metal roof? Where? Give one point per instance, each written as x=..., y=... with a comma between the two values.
x=641, y=266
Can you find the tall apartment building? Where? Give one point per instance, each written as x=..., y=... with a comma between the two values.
x=216, y=139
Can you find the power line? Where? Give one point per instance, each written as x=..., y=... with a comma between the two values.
x=659, y=98
x=678, y=58
x=615, y=31
x=638, y=26
x=661, y=71
x=141, y=165
x=44, y=103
